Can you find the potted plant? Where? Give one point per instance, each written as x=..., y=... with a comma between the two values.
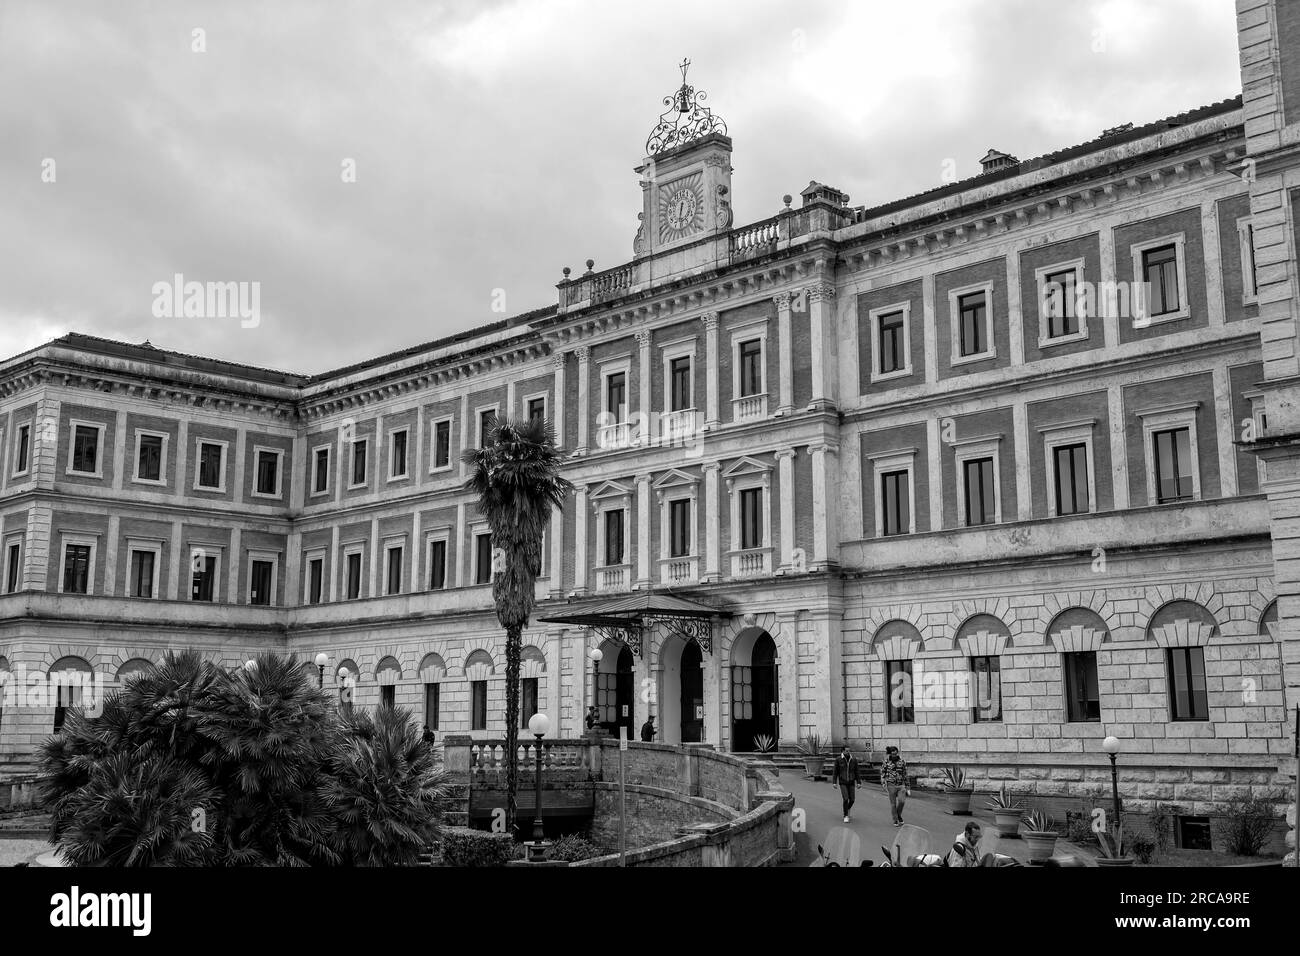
x=957, y=792
x=1040, y=835
x=811, y=748
x=1114, y=851
x=1007, y=809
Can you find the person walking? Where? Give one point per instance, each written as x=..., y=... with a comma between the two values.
x=648, y=730
x=846, y=776
x=893, y=777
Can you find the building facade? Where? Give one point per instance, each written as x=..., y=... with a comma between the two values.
x=969, y=472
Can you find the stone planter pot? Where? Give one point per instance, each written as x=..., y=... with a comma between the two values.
x=1007, y=822
x=958, y=802
x=1113, y=861
x=812, y=766
x=1041, y=843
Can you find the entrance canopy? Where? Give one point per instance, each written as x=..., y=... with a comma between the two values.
x=628, y=619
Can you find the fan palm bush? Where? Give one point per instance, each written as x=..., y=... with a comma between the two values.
x=516, y=476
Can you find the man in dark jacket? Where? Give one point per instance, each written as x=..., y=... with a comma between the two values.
x=648, y=729
x=846, y=776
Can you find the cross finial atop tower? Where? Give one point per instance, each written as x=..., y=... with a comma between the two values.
x=685, y=65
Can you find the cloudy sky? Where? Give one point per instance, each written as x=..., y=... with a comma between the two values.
x=493, y=143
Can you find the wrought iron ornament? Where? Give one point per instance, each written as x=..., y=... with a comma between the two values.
x=692, y=120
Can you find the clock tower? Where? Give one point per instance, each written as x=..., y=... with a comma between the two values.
x=686, y=175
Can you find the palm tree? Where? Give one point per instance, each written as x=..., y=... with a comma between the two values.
x=516, y=475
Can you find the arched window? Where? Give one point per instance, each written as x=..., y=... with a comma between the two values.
x=137, y=665
x=1183, y=628
x=73, y=683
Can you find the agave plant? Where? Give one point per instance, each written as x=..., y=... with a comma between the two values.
x=954, y=778
x=1112, y=843
x=811, y=745
x=764, y=744
x=1038, y=821
x=1005, y=800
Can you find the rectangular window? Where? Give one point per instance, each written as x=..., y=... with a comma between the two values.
x=261, y=575
x=679, y=375
x=203, y=577
x=895, y=502
x=1250, y=277
x=394, y=578
x=537, y=410
x=321, y=479
x=1160, y=272
x=1082, y=701
x=981, y=505
x=13, y=567
x=987, y=705
x=353, y=590
x=315, y=580
x=85, y=450
x=66, y=697
x=972, y=314
x=142, y=566
x=148, y=461
x=1187, y=697
x=1070, y=472
x=76, y=569
x=1059, y=303
x=432, y=704
x=898, y=692
x=359, y=462
x=483, y=559
x=442, y=445
x=679, y=528
x=210, y=456
x=485, y=420
x=268, y=473
x=397, y=466
x=24, y=448
x=613, y=537
x=893, y=356
x=751, y=518
x=388, y=696
x=1173, y=461
x=751, y=367
x=527, y=701
x=616, y=395
x=478, y=705
x=437, y=565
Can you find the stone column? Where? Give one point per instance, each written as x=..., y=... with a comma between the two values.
x=825, y=345
x=711, y=416
x=557, y=402
x=643, y=499
x=711, y=662
x=645, y=432
x=556, y=577
x=786, y=539
x=787, y=654
x=712, y=524
x=580, y=539
x=583, y=353
x=828, y=673
x=825, y=507
x=785, y=352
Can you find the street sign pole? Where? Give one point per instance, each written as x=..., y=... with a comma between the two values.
x=622, y=798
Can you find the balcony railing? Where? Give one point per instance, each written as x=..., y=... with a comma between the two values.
x=751, y=563
x=560, y=758
x=679, y=426
x=615, y=577
x=681, y=570
x=749, y=408
x=757, y=238
x=618, y=435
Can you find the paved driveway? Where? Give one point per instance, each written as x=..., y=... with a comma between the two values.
x=820, y=802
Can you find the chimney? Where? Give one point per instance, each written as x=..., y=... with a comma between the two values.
x=994, y=159
x=819, y=192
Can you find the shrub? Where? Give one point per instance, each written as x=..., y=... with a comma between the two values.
x=465, y=846
x=1078, y=827
x=1246, y=826
x=574, y=847
x=1161, y=821
x=1144, y=848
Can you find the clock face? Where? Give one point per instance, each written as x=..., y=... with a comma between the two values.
x=681, y=208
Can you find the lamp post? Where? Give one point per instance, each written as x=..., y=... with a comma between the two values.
x=595, y=654
x=1111, y=746
x=539, y=725
x=321, y=660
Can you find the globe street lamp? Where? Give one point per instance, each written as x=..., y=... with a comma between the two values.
x=539, y=725
x=249, y=665
x=595, y=654
x=1111, y=746
x=321, y=660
